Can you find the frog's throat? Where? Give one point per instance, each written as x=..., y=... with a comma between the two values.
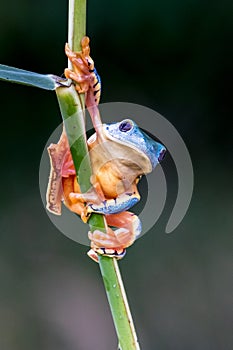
x=130, y=152
x=112, y=149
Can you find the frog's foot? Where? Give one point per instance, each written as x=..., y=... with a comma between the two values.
x=119, y=239
x=113, y=243
x=84, y=73
x=79, y=59
x=94, y=196
x=82, y=80
x=112, y=253
x=85, y=47
x=108, y=244
x=90, y=196
x=83, y=55
x=77, y=208
x=81, y=62
x=127, y=220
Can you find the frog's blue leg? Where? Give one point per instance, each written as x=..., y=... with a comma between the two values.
x=107, y=206
x=113, y=243
x=113, y=206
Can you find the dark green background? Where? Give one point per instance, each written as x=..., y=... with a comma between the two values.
x=174, y=57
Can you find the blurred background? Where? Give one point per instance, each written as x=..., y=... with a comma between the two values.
x=176, y=58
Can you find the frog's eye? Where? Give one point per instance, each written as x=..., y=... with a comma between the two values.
x=125, y=126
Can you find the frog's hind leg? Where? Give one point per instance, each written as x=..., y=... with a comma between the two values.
x=128, y=228
x=126, y=220
x=82, y=80
x=113, y=243
x=87, y=79
x=57, y=154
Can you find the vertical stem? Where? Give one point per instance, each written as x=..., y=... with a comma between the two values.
x=77, y=30
x=72, y=114
x=77, y=23
x=79, y=151
x=71, y=104
x=119, y=306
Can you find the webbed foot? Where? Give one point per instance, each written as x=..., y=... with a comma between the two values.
x=118, y=239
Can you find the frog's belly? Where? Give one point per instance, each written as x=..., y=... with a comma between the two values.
x=111, y=184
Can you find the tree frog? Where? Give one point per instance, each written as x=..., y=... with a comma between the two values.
x=120, y=154
x=118, y=161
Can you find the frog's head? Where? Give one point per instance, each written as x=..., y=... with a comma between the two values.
x=144, y=150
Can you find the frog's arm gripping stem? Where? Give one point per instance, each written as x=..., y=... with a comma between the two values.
x=107, y=206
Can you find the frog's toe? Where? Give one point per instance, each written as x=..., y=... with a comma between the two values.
x=112, y=253
x=125, y=237
x=101, y=239
x=121, y=238
x=76, y=197
x=68, y=51
x=93, y=255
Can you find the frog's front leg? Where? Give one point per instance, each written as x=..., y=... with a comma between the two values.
x=113, y=243
x=122, y=203
x=96, y=203
x=80, y=79
x=94, y=195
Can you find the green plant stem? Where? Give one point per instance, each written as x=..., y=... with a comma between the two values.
x=79, y=151
x=76, y=23
x=76, y=30
x=74, y=121
x=72, y=108
x=118, y=304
